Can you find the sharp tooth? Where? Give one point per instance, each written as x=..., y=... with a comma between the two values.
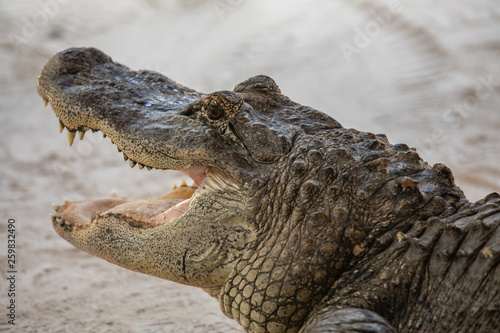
x=119, y=150
x=45, y=102
x=132, y=163
x=65, y=200
x=61, y=127
x=104, y=135
x=175, y=186
x=55, y=207
x=125, y=157
x=149, y=168
x=70, y=137
x=60, y=221
x=114, y=193
x=81, y=134
x=141, y=166
x=183, y=182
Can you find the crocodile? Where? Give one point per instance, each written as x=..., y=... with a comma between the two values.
x=295, y=223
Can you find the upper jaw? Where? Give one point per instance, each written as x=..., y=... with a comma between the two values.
x=141, y=112
x=138, y=111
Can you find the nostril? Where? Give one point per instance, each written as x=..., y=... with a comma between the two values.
x=75, y=60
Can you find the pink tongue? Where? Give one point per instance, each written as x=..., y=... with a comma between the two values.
x=172, y=212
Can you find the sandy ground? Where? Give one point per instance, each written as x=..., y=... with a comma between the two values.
x=426, y=74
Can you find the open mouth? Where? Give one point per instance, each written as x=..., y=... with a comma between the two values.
x=141, y=213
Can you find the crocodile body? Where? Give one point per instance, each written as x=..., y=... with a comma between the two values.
x=297, y=223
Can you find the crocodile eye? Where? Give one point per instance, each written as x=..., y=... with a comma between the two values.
x=214, y=110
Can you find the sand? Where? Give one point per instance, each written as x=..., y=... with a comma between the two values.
x=426, y=74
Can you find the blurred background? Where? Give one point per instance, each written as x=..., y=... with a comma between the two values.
x=425, y=73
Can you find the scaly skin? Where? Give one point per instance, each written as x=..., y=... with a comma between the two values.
x=298, y=224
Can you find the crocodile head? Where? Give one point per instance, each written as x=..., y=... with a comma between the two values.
x=285, y=196
x=229, y=142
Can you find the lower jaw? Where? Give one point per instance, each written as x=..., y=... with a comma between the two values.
x=143, y=213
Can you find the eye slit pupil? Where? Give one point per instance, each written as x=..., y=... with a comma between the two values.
x=215, y=111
